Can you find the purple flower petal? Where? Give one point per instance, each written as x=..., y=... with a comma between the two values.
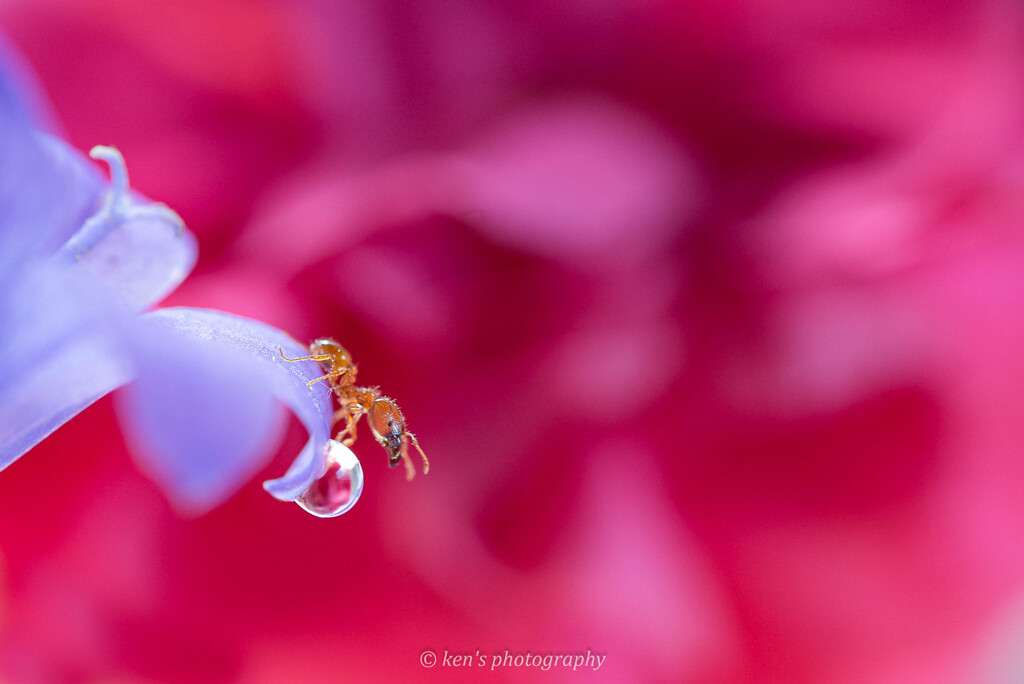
x=65, y=317
x=21, y=98
x=138, y=249
x=60, y=351
x=141, y=261
x=203, y=414
x=44, y=195
x=75, y=184
x=76, y=265
x=46, y=189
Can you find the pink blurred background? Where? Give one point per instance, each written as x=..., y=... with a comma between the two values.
x=709, y=315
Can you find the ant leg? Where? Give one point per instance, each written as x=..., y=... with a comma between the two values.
x=321, y=357
x=351, y=430
x=332, y=374
x=410, y=472
x=315, y=357
x=350, y=427
x=323, y=377
x=415, y=443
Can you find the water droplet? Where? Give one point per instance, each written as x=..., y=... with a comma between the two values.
x=340, y=487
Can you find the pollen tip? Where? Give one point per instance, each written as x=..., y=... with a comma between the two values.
x=101, y=151
x=111, y=155
x=118, y=173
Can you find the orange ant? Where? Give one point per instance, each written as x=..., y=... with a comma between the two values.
x=386, y=421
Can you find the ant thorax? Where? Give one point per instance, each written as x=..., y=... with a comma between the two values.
x=350, y=395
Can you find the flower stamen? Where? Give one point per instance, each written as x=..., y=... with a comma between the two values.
x=118, y=207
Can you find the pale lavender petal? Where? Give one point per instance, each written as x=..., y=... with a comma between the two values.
x=45, y=194
x=203, y=415
x=138, y=249
x=141, y=261
x=63, y=321
x=60, y=350
x=76, y=184
x=46, y=189
x=293, y=483
x=20, y=94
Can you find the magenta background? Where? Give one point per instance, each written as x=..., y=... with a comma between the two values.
x=709, y=315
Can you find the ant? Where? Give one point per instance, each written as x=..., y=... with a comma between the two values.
x=386, y=421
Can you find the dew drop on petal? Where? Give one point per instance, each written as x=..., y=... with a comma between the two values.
x=340, y=487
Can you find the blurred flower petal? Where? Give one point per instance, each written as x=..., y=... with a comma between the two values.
x=582, y=179
x=65, y=355
x=45, y=194
x=203, y=415
x=45, y=191
x=75, y=183
x=21, y=98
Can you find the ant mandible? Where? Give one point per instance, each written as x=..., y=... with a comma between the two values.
x=386, y=421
